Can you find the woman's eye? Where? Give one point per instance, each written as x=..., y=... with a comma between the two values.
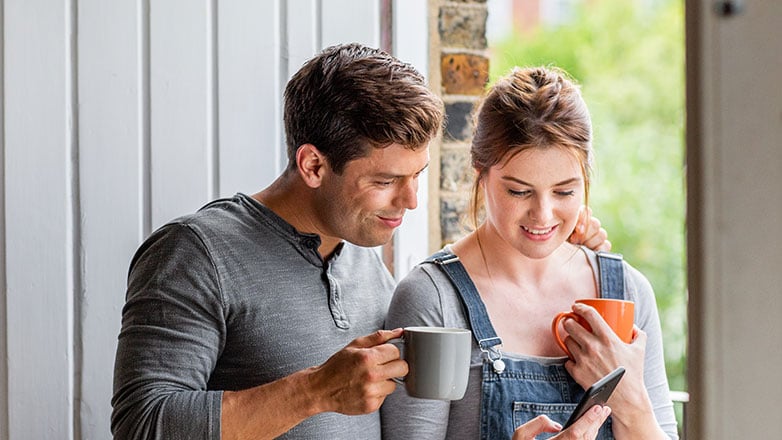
x=522, y=193
x=565, y=193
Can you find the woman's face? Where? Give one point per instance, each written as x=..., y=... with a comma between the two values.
x=532, y=200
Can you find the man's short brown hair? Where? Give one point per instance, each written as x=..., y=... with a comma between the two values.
x=350, y=98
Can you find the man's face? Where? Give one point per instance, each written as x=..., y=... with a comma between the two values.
x=367, y=201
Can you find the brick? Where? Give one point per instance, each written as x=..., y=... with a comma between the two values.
x=456, y=172
x=458, y=120
x=464, y=73
x=463, y=26
x=453, y=219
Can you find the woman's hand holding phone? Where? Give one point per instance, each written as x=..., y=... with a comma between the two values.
x=585, y=421
x=597, y=394
x=585, y=428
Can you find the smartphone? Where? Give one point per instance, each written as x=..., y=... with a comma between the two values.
x=597, y=394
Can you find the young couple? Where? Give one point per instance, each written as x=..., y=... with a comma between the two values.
x=261, y=316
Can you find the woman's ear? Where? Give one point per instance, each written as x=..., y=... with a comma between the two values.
x=479, y=181
x=310, y=163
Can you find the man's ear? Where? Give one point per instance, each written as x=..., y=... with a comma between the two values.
x=310, y=163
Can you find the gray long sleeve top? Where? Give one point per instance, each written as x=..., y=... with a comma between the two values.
x=229, y=298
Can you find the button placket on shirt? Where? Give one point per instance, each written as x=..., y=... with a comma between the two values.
x=335, y=301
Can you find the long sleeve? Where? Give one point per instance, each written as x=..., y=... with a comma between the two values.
x=655, y=379
x=172, y=332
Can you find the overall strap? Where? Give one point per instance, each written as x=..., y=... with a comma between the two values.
x=611, y=275
x=482, y=329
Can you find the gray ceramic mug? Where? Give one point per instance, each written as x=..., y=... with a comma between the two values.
x=439, y=362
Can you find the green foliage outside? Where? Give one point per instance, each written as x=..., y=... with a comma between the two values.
x=628, y=57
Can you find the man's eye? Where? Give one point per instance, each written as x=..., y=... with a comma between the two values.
x=384, y=182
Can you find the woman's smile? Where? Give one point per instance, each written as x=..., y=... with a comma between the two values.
x=537, y=233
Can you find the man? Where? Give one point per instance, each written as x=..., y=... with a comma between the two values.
x=258, y=316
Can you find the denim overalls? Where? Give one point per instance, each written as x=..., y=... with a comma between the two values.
x=514, y=391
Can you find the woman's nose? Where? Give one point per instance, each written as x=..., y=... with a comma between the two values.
x=541, y=211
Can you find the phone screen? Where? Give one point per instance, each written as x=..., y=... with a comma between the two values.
x=597, y=394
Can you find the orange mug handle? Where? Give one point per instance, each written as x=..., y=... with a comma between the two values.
x=555, y=329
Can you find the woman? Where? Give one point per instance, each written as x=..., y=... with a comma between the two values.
x=532, y=154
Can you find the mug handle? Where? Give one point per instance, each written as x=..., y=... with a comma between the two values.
x=399, y=343
x=555, y=330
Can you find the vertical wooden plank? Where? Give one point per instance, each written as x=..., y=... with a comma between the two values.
x=302, y=40
x=303, y=32
x=250, y=119
x=361, y=25
x=387, y=25
x=181, y=95
x=111, y=127
x=39, y=148
x=410, y=34
x=3, y=296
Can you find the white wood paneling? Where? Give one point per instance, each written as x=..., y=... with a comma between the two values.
x=360, y=25
x=115, y=118
x=112, y=127
x=3, y=314
x=181, y=82
x=249, y=95
x=303, y=32
x=39, y=202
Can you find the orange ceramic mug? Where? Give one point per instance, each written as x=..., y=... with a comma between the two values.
x=617, y=313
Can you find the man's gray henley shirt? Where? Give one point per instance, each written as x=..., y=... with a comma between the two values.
x=229, y=298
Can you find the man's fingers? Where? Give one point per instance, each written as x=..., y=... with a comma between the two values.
x=378, y=353
x=577, y=237
x=589, y=232
x=605, y=246
x=595, y=236
x=376, y=338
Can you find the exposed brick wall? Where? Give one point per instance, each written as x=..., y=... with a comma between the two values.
x=458, y=40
